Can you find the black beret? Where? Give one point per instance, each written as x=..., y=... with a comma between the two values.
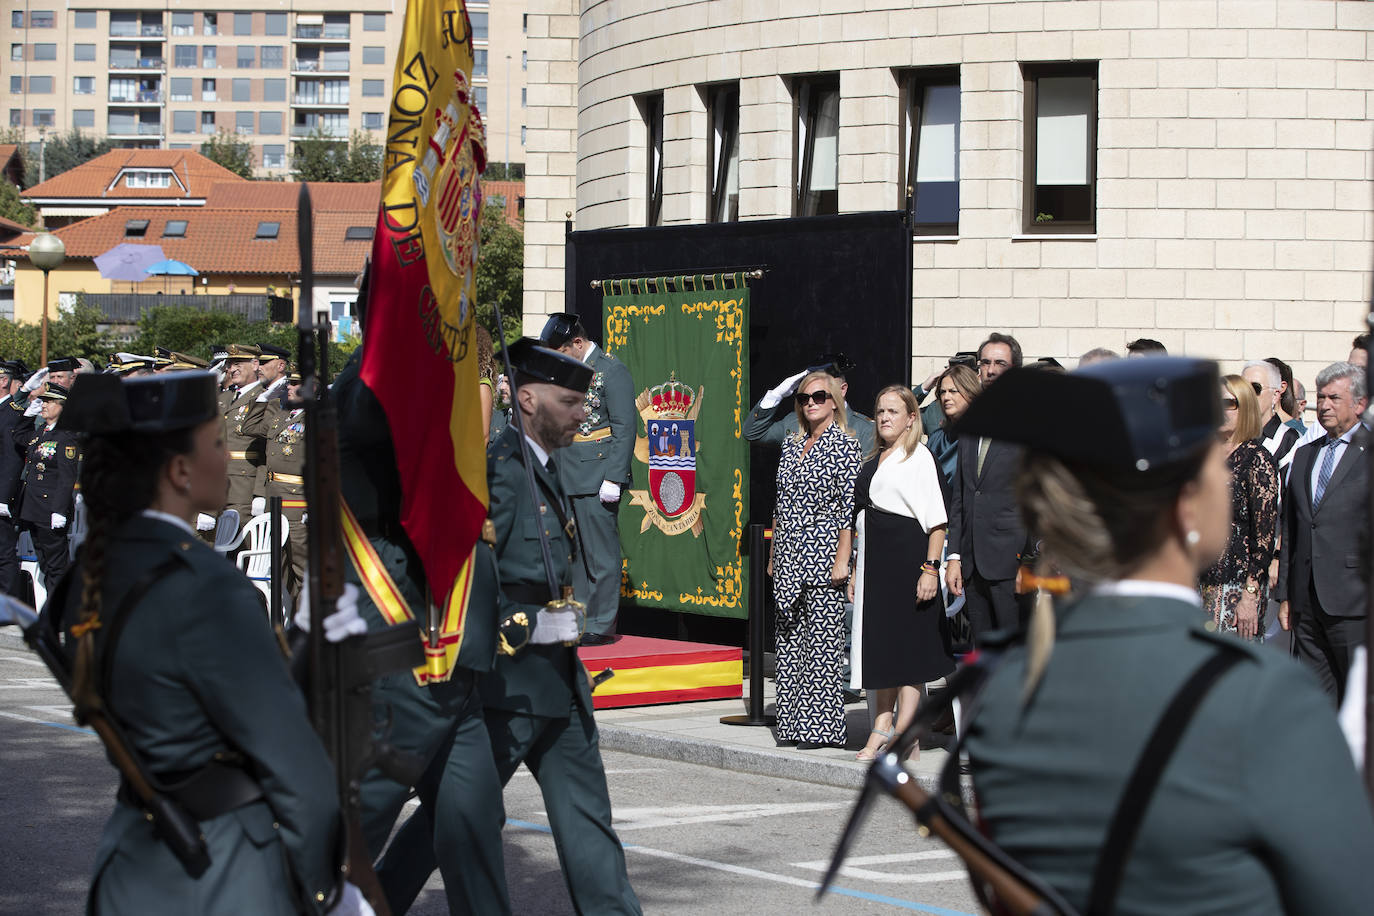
x=537, y=363
x=176, y=399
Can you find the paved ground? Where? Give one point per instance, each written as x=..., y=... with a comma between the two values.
x=699, y=838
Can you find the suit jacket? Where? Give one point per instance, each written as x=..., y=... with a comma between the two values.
x=772, y=427
x=606, y=441
x=12, y=452
x=1324, y=548
x=985, y=526
x=50, y=472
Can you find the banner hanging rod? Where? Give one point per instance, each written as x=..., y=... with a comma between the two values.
x=716, y=279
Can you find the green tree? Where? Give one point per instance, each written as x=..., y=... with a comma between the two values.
x=320, y=157
x=230, y=151
x=500, y=272
x=75, y=332
x=12, y=208
x=187, y=329
x=364, y=161
x=500, y=171
x=28, y=154
x=66, y=151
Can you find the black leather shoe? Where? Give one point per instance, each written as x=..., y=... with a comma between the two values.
x=596, y=639
x=816, y=745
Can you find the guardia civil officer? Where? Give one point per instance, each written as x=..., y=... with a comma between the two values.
x=172, y=642
x=538, y=702
x=773, y=418
x=1258, y=808
x=48, y=497
x=247, y=478
x=594, y=470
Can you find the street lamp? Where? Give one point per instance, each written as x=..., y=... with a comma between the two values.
x=46, y=252
x=507, y=176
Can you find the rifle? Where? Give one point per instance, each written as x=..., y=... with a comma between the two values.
x=340, y=674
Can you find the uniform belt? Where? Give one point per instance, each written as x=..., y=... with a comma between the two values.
x=246, y=456
x=522, y=593
x=294, y=479
x=595, y=435
x=206, y=793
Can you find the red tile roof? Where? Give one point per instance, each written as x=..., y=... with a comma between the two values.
x=11, y=163
x=93, y=179
x=9, y=227
x=514, y=194
x=324, y=196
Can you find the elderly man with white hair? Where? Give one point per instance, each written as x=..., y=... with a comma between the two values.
x=1277, y=437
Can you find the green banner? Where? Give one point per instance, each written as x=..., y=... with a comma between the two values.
x=685, y=341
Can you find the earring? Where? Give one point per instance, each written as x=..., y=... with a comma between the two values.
x=1192, y=537
x=187, y=489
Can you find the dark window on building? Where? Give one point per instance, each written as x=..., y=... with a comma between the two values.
x=274, y=90
x=181, y=89
x=479, y=25
x=16, y=85
x=358, y=233
x=374, y=88
x=183, y=122
x=479, y=62
x=243, y=23
x=479, y=98
x=270, y=123
x=83, y=85
x=135, y=228
x=276, y=24
x=16, y=51
x=241, y=89
x=45, y=51
x=183, y=23
x=44, y=117
x=184, y=56
x=243, y=122
x=209, y=57
x=652, y=108
x=247, y=57
x=722, y=152
x=272, y=57
x=267, y=230
x=209, y=24
x=929, y=168
x=375, y=54
x=16, y=117
x=374, y=22
x=41, y=19
x=175, y=229
x=372, y=120
x=83, y=52
x=40, y=85
x=274, y=156
x=1060, y=171
x=207, y=122
x=84, y=19
x=16, y=19
x=83, y=117
x=815, y=162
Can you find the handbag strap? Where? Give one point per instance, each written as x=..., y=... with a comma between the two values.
x=1135, y=799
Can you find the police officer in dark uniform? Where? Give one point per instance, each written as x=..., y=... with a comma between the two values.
x=13, y=374
x=52, y=457
x=1257, y=808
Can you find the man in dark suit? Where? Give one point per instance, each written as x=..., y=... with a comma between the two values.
x=1321, y=589
x=986, y=536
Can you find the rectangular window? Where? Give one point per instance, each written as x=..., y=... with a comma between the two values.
x=1060, y=167
x=16, y=51
x=243, y=23
x=41, y=19
x=123, y=58
x=84, y=19
x=83, y=85
x=524, y=60
x=45, y=51
x=40, y=85
x=651, y=106
x=815, y=162
x=207, y=90
x=123, y=24
x=207, y=122
x=270, y=123
x=83, y=117
x=275, y=24
x=183, y=122
x=274, y=156
x=209, y=58
x=374, y=22
x=135, y=228
x=209, y=24
x=522, y=96
x=479, y=25
x=83, y=52
x=928, y=180
x=181, y=88
x=241, y=90
x=267, y=230
x=123, y=89
x=375, y=54
x=373, y=89
x=243, y=122
x=336, y=60
x=722, y=152
x=522, y=137
x=174, y=229
x=335, y=92
x=44, y=117
x=274, y=90
x=247, y=57
x=16, y=85
x=16, y=117
x=479, y=62
x=16, y=19
x=479, y=96
x=183, y=23
x=336, y=25
x=372, y=120
x=358, y=233
x=184, y=56
x=272, y=57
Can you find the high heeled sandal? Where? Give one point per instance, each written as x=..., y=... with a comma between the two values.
x=864, y=752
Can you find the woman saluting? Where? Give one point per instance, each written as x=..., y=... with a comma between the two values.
x=1258, y=808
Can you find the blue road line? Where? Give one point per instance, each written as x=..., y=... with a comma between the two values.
x=843, y=891
x=71, y=728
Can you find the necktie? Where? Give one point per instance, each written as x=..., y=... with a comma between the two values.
x=1324, y=474
x=982, y=453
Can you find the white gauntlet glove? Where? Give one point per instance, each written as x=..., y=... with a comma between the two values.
x=338, y=626
x=205, y=522
x=609, y=493
x=775, y=395
x=271, y=390
x=34, y=409
x=58, y=521
x=555, y=626
x=36, y=380
x=4, y=510
x=259, y=505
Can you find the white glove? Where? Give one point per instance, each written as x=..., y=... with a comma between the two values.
x=58, y=521
x=555, y=627
x=610, y=492
x=1352, y=709
x=305, y=517
x=4, y=510
x=343, y=623
x=351, y=903
x=270, y=391
x=34, y=409
x=36, y=380
x=259, y=505
x=775, y=395
x=205, y=522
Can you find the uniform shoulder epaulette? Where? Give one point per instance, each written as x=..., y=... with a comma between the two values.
x=15, y=406
x=1228, y=641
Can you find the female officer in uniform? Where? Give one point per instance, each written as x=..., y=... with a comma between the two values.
x=1258, y=808
x=172, y=642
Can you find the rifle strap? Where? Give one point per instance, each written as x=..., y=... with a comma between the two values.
x=1135, y=799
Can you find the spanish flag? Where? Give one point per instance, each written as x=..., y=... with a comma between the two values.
x=420, y=352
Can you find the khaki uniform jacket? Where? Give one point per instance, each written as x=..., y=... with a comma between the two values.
x=282, y=430
x=247, y=463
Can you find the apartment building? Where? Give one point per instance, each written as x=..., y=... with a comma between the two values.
x=172, y=77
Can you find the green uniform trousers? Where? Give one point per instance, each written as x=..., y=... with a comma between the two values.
x=596, y=572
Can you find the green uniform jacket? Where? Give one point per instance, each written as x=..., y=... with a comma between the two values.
x=541, y=680
x=197, y=672
x=771, y=427
x=605, y=442
x=1258, y=811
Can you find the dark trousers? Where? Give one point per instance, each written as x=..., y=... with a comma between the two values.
x=9, y=557
x=596, y=570
x=992, y=605
x=1327, y=644
x=51, y=546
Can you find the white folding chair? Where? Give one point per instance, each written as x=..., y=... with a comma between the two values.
x=226, y=529
x=255, y=557
x=28, y=563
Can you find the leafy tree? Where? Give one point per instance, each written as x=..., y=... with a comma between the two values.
x=500, y=272
x=72, y=333
x=66, y=151
x=321, y=157
x=364, y=162
x=188, y=329
x=12, y=208
x=230, y=151
x=27, y=153
x=499, y=171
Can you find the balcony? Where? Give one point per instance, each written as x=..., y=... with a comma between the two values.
x=137, y=63
x=336, y=131
x=325, y=32
x=315, y=65
x=142, y=97
x=314, y=101
x=151, y=31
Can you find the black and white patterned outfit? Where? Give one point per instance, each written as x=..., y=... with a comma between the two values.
x=815, y=502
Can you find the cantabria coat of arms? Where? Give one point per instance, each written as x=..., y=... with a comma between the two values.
x=668, y=445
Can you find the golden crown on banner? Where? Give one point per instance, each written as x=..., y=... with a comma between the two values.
x=671, y=400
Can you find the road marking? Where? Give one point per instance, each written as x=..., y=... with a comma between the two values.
x=646, y=818
x=28, y=683
x=765, y=875
x=852, y=869
x=70, y=728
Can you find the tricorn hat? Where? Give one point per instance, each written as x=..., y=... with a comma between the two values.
x=559, y=329
x=64, y=364
x=103, y=404
x=535, y=363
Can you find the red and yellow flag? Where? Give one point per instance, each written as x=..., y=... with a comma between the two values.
x=420, y=352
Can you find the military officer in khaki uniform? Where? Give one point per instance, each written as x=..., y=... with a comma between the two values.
x=247, y=473
x=282, y=428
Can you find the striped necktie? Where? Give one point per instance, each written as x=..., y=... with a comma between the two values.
x=1324, y=474
x=982, y=454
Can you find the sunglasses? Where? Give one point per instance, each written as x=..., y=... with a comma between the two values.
x=1230, y=403
x=815, y=397
x=1259, y=389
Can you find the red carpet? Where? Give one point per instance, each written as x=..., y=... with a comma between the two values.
x=649, y=671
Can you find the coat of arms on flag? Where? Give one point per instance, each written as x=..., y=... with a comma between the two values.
x=669, y=446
